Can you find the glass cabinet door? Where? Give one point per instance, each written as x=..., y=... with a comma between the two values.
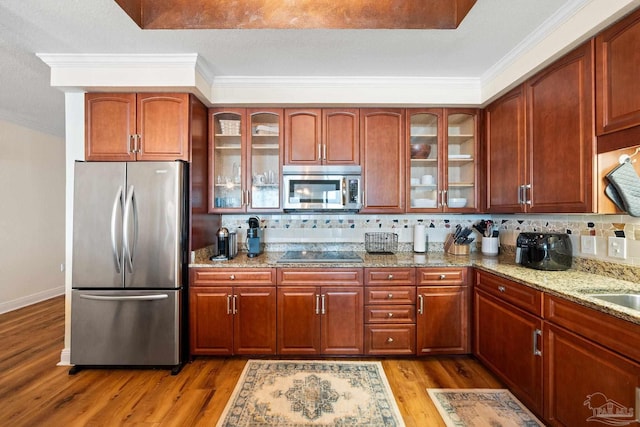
x=265, y=159
x=461, y=161
x=227, y=160
x=423, y=159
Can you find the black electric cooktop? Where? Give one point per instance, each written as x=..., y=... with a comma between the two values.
x=320, y=256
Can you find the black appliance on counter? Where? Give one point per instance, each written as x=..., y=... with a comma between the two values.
x=254, y=237
x=227, y=244
x=544, y=251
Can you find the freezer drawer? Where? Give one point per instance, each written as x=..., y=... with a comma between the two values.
x=126, y=328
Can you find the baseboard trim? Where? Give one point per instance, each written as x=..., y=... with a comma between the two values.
x=65, y=357
x=30, y=299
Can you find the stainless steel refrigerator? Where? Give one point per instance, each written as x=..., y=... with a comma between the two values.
x=129, y=264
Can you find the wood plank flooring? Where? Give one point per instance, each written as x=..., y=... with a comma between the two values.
x=36, y=392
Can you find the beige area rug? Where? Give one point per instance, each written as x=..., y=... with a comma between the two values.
x=311, y=393
x=481, y=407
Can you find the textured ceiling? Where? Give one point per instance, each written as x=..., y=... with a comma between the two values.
x=491, y=31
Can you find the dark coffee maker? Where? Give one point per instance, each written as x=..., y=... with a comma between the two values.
x=254, y=237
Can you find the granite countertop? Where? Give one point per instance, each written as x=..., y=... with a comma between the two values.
x=572, y=284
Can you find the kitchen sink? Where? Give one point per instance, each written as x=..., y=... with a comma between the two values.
x=626, y=300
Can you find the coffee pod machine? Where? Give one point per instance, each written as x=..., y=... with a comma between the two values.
x=254, y=237
x=227, y=244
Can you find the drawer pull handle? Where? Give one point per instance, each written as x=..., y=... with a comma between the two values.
x=390, y=296
x=232, y=277
x=389, y=315
x=390, y=277
x=389, y=340
x=536, y=334
x=502, y=288
x=443, y=276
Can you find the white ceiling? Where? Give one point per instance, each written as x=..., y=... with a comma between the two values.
x=493, y=33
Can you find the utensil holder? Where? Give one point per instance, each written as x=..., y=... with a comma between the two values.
x=490, y=246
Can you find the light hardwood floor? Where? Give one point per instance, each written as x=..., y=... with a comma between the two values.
x=36, y=392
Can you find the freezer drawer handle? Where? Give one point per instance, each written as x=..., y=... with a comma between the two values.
x=117, y=202
x=126, y=298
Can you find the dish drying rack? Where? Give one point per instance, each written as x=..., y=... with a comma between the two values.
x=381, y=243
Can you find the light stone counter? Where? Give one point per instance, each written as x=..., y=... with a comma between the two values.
x=573, y=284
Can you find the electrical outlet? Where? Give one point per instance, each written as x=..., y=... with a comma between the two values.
x=617, y=247
x=588, y=244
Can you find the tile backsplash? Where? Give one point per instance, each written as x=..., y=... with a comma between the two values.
x=283, y=231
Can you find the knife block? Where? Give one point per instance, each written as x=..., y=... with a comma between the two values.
x=453, y=248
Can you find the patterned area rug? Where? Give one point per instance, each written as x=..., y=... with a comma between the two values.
x=481, y=407
x=311, y=393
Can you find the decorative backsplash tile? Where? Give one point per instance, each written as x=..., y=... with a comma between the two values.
x=295, y=231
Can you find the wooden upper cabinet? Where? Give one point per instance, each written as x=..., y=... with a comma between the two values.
x=163, y=126
x=341, y=136
x=321, y=136
x=110, y=126
x=505, y=140
x=540, y=143
x=617, y=83
x=129, y=127
x=560, y=135
x=382, y=152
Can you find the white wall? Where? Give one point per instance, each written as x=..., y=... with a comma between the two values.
x=32, y=216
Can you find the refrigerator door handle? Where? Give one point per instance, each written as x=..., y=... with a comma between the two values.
x=117, y=203
x=125, y=298
x=129, y=208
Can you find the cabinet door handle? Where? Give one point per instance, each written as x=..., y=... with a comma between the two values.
x=132, y=144
x=536, y=333
x=520, y=199
x=324, y=152
x=445, y=198
x=389, y=340
x=319, y=151
x=322, y=307
x=235, y=307
x=527, y=200
x=228, y=304
x=137, y=148
x=502, y=289
x=317, y=304
x=420, y=304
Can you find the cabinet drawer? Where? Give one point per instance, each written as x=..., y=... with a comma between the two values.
x=394, y=295
x=617, y=334
x=521, y=296
x=226, y=276
x=390, y=314
x=390, y=339
x=441, y=276
x=389, y=276
x=320, y=276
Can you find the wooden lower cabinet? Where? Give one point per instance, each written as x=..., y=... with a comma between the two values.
x=443, y=306
x=226, y=320
x=587, y=384
x=390, y=314
x=320, y=320
x=320, y=311
x=508, y=340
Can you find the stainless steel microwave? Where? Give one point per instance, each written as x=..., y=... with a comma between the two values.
x=322, y=188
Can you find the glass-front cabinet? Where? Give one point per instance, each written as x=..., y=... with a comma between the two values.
x=246, y=147
x=462, y=160
x=424, y=132
x=442, y=165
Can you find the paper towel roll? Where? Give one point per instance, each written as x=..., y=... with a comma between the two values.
x=419, y=238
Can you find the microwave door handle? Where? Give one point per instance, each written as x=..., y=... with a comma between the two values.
x=344, y=192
